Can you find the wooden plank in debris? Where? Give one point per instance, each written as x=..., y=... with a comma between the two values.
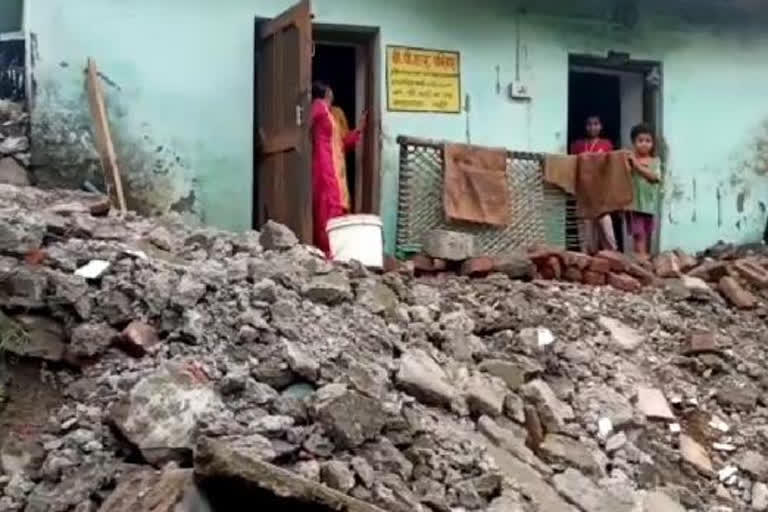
x=104, y=138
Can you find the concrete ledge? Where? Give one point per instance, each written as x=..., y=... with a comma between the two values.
x=214, y=459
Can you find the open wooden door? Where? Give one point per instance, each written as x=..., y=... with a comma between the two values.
x=283, y=83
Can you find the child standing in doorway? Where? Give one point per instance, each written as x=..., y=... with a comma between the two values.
x=593, y=143
x=645, y=179
x=596, y=234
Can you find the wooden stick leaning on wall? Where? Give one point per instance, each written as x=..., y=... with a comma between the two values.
x=104, y=138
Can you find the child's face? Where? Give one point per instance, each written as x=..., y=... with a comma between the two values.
x=594, y=127
x=643, y=144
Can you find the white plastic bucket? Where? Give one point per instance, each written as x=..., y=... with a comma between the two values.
x=357, y=237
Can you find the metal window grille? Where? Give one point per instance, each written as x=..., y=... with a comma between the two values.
x=538, y=211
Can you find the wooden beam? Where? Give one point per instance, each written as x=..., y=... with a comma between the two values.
x=103, y=137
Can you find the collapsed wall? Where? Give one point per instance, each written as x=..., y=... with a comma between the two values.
x=197, y=359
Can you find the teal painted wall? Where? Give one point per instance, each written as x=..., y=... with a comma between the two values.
x=182, y=98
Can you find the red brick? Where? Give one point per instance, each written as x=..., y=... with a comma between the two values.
x=752, y=272
x=667, y=265
x=138, y=338
x=600, y=265
x=423, y=263
x=687, y=262
x=391, y=264
x=710, y=271
x=618, y=260
x=594, y=278
x=543, y=255
x=645, y=276
x=736, y=294
x=624, y=282
x=475, y=267
x=577, y=259
x=556, y=266
x=701, y=343
x=100, y=207
x=573, y=274
x=547, y=273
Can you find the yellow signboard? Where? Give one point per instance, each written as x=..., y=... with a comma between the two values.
x=423, y=80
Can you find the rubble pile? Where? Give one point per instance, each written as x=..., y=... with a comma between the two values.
x=14, y=143
x=195, y=365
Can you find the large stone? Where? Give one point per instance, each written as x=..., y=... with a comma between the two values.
x=485, y=395
x=301, y=361
x=161, y=413
x=554, y=413
x=516, y=265
x=21, y=455
x=526, y=480
x=215, y=459
x=337, y=475
x=449, y=245
x=651, y=402
x=12, y=173
x=513, y=441
x=24, y=286
x=147, y=490
x=562, y=449
x=74, y=489
x=760, y=497
x=161, y=238
x=276, y=237
x=139, y=338
x=189, y=291
x=658, y=501
x=386, y=458
x=579, y=489
x=696, y=455
x=328, y=289
x=89, y=340
x=350, y=418
x=738, y=396
x=507, y=503
x=376, y=296
x=623, y=336
x=18, y=238
x=31, y=336
x=420, y=376
x=604, y=402
x=514, y=373
x=754, y=463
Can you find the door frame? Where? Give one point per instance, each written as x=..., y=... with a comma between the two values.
x=365, y=40
x=653, y=112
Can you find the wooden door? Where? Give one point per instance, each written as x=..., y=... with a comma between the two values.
x=284, y=166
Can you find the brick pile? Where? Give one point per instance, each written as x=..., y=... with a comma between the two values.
x=740, y=279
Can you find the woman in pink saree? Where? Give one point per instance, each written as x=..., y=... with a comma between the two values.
x=330, y=197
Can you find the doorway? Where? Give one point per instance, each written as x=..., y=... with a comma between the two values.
x=624, y=93
x=291, y=52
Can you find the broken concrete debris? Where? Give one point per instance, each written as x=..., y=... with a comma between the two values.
x=14, y=144
x=197, y=363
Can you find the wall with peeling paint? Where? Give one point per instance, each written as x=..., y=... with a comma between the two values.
x=180, y=94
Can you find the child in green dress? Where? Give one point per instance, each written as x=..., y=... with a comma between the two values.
x=645, y=178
